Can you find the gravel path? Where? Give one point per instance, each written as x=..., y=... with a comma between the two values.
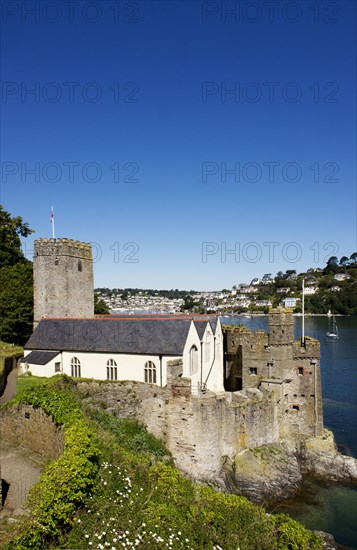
x=16, y=468
x=21, y=474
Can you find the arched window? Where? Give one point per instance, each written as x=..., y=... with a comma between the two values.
x=75, y=367
x=150, y=372
x=112, y=372
x=193, y=360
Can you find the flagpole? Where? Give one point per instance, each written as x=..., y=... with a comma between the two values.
x=303, y=313
x=53, y=222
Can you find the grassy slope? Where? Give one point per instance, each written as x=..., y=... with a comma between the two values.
x=115, y=487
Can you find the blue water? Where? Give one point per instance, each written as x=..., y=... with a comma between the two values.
x=322, y=506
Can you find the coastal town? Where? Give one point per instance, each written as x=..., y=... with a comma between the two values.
x=325, y=289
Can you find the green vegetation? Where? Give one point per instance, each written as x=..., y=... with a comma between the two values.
x=16, y=285
x=115, y=487
x=26, y=382
x=10, y=244
x=100, y=307
x=7, y=350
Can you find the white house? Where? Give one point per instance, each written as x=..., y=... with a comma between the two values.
x=289, y=302
x=263, y=303
x=309, y=290
x=342, y=276
x=129, y=348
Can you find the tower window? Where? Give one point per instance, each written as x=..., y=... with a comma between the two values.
x=56, y=262
x=300, y=371
x=296, y=408
x=79, y=265
x=150, y=372
x=253, y=371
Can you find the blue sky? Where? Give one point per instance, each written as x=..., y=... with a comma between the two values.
x=170, y=133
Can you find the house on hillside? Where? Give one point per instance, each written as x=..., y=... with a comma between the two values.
x=289, y=302
x=129, y=348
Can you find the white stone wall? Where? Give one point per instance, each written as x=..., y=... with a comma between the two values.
x=94, y=365
x=41, y=370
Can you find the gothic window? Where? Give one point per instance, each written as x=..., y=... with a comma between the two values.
x=193, y=360
x=79, y=265
x=112, y=371
x=150, y=372
x=253, y=371
x=75, y=367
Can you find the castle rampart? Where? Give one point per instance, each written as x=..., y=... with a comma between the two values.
x=277, y=361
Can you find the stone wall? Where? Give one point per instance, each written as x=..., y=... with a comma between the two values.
x=201, y=431
x=32, y=430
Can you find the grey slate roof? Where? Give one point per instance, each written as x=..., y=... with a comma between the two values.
x=200, y=327
x=150, y=335
x=201, y=324
x=39, y=357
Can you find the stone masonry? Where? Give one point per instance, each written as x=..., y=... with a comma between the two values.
x=63, y=279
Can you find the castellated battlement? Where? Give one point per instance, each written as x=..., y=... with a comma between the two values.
x=62, y=247
x=275, y=361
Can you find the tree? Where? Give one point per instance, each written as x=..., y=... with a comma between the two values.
x=354, y=257
x=16, y=281
x=16, y=303
x=188, y=304
x=332, y=261
x=343, y=260
x=10, y=244
x=100, y=307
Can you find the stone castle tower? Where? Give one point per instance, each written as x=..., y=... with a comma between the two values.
x=281, y=327
x=275, y=361
x=63, y=279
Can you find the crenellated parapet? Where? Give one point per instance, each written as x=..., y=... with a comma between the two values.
x=310, y=349
x=62, y=247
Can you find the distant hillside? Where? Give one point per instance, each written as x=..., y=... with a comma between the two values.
x=333, y=288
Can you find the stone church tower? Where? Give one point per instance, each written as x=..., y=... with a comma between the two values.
x=63, y=279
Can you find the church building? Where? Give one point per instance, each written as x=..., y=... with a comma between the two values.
x=68, y=337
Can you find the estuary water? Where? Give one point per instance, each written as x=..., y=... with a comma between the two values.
x=322, y=506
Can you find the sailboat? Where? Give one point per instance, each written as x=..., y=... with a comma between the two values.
x=333, y=335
